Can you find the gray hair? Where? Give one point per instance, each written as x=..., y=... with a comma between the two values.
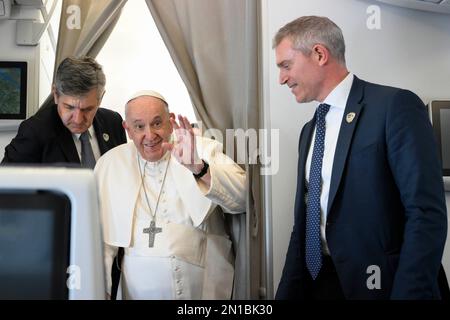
x=76, y=76
x=307, y=31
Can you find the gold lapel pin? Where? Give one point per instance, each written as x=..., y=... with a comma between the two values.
x=350, y=117
x=106, y=137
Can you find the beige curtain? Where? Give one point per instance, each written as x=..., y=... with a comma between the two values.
x=214, y=45
x=97, y=19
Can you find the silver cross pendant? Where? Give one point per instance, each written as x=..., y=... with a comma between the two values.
x=152, y=231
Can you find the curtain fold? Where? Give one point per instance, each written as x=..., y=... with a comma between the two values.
x=97, y=20
x=214, y=45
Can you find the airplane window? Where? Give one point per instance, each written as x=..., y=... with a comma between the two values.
x=136, y=58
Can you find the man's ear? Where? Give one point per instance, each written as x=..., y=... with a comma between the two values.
x=101, y=98
x=55, y=95
x=127, y=129
x=320, y=54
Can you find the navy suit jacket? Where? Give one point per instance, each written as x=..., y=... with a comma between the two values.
x=43, y=138
x=386, y=205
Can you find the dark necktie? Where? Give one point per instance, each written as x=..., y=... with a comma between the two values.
x=313, y=245
x=87, y=155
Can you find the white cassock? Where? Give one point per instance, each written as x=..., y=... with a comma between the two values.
x=192, y=256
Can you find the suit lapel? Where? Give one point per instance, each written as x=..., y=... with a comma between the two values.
x=67, y=145
x=102, y=137
x=304, y=146
x=65, y=140
x=354, y=105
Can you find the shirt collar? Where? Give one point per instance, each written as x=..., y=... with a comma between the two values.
x=90, y=131
x=339, y=95
x=153, y=168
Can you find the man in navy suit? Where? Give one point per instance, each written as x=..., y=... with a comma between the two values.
x=370, y=213
x=53, y=134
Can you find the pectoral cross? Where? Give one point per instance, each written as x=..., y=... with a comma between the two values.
x=152, y=231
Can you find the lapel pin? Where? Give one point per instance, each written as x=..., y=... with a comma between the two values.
x=350, y=117
x=106, y=137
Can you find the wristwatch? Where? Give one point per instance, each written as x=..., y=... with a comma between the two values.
x=203, y=172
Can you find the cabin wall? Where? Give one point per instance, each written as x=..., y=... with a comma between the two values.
x=9, y=51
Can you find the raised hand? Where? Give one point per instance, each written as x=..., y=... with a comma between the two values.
x=184, y=148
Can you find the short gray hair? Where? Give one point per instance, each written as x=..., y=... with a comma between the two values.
x=76, y=76
x=307, y=31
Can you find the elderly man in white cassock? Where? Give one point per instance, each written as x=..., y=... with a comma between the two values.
x=159, y=199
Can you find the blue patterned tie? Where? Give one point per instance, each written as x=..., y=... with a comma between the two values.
x=313, y=245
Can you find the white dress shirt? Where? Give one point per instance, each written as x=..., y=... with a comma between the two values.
x=337, y=99
x=92, y=139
